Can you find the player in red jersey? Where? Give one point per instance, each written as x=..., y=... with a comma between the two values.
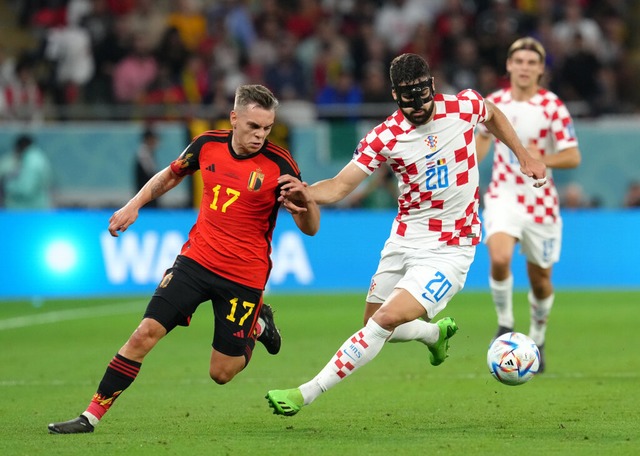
x=518, y=213
x=226, y=258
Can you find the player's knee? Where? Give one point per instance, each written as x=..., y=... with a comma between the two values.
x=221, y=376
x=501, y=263
x=146, y=336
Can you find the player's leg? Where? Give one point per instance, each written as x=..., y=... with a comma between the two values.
x=121, y=371
x=542, y=245
x=501, y=247
x=267, y=331
x=236, y=309
x=424, y=291
x=391, y=269
x=172, y=304
x=355, y=352
x=541, y=299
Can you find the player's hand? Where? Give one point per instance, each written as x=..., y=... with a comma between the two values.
x=294, y=195
x=534, y=168
x=122, y=219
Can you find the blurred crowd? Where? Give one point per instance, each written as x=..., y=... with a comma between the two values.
x=327, y=52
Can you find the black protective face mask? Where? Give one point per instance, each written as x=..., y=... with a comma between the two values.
x=414, y=91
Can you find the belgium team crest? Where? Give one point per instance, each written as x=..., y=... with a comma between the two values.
x=255, y=180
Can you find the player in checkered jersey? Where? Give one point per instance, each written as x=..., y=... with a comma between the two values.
x=514, y=211
x=429, y=144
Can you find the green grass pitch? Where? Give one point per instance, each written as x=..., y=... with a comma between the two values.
x=587, y=403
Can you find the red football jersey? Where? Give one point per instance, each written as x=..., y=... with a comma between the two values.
x=239, y=207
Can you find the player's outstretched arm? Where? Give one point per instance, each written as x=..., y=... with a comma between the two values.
x=155, y=187
x=330, y=191
x=498, y=124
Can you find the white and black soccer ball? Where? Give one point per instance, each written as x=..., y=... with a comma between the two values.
x=513, y=358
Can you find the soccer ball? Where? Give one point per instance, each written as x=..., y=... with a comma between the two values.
x=513, y=358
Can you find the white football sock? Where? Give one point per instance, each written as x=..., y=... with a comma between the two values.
x=420, y=330
x=93, y=420
x=540, y=309
x=502, y=294
x=355, y=352
x=260, y=327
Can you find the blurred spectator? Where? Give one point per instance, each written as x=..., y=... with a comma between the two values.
x=396, y=21
x=462, y=71
x=98, y=22
x=108, y=53
x=237, y=21
x=172, y=53
x=573, y=197
x=188, y=18
x=302, y=21
x=243, y=41
x=166, y=91
x=344, y=91
x=330, y=56
x=69, y=49
x=25, y=176
x=367, y=48
x=264, y=51
x=133, y=75
x=375, y=86
x=424, y=43
x=496, y=28
x=149, y=18
x=145, y=164
x=574, y=23
x=632, y=197
x=489, y=81
x=577, y=79
x=7, y=67
x=22, y=98
x=42, y=13
x=196, y=80
x=452, y=23
x=286, y=77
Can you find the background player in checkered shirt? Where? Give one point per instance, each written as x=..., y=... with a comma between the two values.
x=429, y=144
x=514, y=211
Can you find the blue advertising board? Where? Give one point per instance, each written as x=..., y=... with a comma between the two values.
x=71, y=253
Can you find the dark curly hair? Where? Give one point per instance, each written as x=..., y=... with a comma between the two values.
x=406, y=68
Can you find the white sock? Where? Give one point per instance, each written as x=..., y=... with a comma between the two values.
x=354, y=353
x=260, y=326
x=92, y=418
x=420, y=330
x=540, y=309
x=502, y=294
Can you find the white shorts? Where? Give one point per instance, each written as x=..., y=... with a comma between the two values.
x=433, y=277
x=539, y=243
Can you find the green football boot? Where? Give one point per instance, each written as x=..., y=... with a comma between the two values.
x=438, y=351
x=285, y=402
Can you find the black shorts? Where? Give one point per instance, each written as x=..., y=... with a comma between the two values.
x=187, y=284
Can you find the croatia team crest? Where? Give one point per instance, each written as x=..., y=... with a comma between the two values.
x=432, y=142
x=255, y=180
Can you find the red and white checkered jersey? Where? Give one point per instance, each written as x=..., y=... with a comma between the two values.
x=437, y=171
x=544, y=121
